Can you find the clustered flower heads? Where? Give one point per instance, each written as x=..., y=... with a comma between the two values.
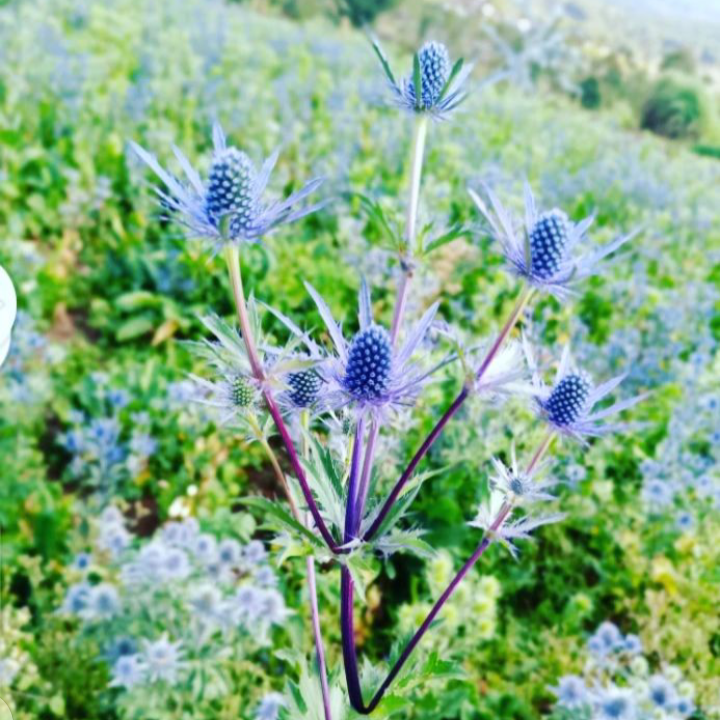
x=102, y=453
x=229, y=206
x=617, y=683
x=371, y=374
x=218, y=588
x=368, y=372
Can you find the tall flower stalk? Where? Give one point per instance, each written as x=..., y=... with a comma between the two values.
x=406, y=263
x=233, y=263
x=234, y=272
x=373, y=374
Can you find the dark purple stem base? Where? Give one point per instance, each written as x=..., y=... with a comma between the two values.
x=348, y=630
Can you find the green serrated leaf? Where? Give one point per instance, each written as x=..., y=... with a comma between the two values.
x=275, y=510
x=377, y=215
x=403, y=502
x=405, y=541
x=297, y=697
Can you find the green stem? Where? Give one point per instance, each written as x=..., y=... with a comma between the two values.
x=416, y=167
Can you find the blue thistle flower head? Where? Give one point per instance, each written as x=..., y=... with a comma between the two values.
x=228, y=207
x=685, y=706
x=367, y=372
x=662, y=692
x=548, y=240
x=572, y=692
x=230, y=186
x=568, y=399
x=440, y=84
x=616, y=704
x=540, y=250
x=568, y=404
x=305, y=387
x=435, y=68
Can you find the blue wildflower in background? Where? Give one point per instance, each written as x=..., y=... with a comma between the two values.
x=541, y=250
x=128, y=671
x=163, y=659
x=606, y=640
x=658, y=493
x=614, y=703
x=662, y=693
x=102, y=603
x=229, y=206
x=435, y=86
x=270, y=706
x=571, y=692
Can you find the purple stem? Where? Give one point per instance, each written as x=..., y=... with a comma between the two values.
x=233, y=262
x=348, y=630
x=317, y=633
x=440, y=426
x=366, y=473
x=419, y=455
x=350, y=517
x=400, y=302
x=298, y=470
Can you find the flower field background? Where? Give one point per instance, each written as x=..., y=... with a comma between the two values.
x=125, y=531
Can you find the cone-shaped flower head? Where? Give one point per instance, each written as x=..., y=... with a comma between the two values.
x=568, y=399
x=228, y=207
x=242, y=392
x=548, y=239
x=231, y=180
x=434, y=86
x=435, y=70
x=567, y=405
x=367, y=373
x=517, y=486
x=304, y=388
x=541, y=250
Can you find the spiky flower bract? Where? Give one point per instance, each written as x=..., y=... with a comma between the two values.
x=498, y=508
x=541, y=250
x=518, y=486
x=228, y=207
x=567, y=405
x=367, y=372
x=434, y=86
x=235, y=390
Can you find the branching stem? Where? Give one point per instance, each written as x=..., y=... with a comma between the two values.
x=232, y=257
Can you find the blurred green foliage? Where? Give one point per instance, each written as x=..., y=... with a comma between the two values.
x=676, y=107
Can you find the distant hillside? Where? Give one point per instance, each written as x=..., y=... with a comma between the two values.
x=651, y=26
